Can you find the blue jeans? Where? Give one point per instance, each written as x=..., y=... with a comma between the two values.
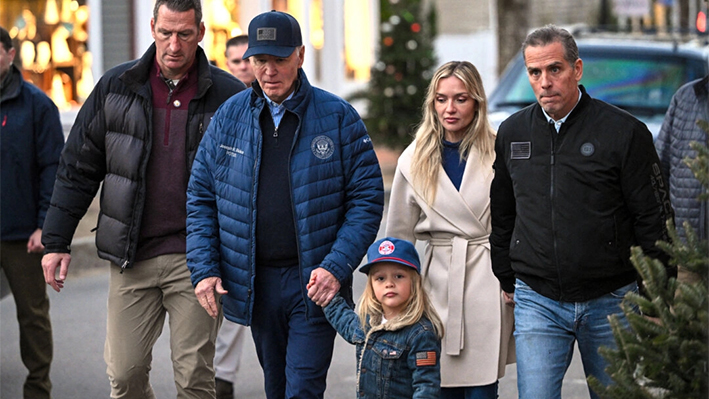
x=294, y=353
x=545, y=332
x=478, y=392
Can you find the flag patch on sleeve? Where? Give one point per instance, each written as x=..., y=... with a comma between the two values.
x=426, y=358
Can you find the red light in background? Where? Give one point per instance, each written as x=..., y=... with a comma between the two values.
x=702, y=22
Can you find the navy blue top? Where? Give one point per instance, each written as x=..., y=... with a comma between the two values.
x=31, y=143
x=451, y=163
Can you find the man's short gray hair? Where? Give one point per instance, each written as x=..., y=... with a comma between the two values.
x=180, y=6
x=551, y=34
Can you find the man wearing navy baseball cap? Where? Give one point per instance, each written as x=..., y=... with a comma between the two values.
x=285, y=189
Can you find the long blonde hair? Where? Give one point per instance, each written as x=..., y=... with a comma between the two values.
x=370, y=310
x=429, y=134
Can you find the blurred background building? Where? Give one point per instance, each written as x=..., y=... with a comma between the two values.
x=64, y=46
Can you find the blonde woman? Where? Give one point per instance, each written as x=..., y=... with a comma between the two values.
x=440, y=195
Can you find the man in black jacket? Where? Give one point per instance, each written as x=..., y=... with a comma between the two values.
x=32, y=140
x=577, y=183
x=138, y=133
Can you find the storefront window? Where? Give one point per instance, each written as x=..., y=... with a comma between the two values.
x=51, y=40
x=220, y=18
x=358, y=40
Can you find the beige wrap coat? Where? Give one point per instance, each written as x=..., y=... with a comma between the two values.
x=456, y=269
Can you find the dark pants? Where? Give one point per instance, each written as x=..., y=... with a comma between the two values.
x=26, y=280
x=294, y=353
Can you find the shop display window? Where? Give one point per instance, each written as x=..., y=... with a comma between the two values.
x=51, y=42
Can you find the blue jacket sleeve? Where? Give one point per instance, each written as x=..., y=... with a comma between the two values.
x=202, y=217
x=364, y=199
x=344, y=320
x=425, y=363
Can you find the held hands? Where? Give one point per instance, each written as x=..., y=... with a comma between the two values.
x=50, y=262
x=205, y=294
x=322, y=286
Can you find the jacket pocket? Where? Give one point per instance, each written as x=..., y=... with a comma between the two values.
x=388, y=355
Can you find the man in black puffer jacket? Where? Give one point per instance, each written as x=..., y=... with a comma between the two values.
x=577, y=183
x=138, y=133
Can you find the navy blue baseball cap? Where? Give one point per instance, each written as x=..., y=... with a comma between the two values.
x=390, y=249
x=273, y=33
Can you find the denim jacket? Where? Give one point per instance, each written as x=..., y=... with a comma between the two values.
x=395, y=364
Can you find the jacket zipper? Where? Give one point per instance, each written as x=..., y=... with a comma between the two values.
x=295, y=220
x=551, y=201
x=252, y=207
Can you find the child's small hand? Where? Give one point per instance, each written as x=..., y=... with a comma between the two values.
x=311, y=282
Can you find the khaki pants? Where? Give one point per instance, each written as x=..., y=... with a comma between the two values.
x=26, y=280
x=138, y=300
x=230, y=344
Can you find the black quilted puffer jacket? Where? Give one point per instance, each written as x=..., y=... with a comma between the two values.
x=110, y=143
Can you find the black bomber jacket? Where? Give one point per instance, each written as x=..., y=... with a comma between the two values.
x=567, y=206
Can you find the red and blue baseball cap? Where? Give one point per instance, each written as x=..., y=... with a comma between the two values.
x=390, y=249
x=273, y=33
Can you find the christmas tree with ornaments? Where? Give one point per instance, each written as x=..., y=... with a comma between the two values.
x=401, y=73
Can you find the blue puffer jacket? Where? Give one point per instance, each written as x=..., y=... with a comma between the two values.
x=336, y=189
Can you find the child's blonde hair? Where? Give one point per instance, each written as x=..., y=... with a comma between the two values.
x=370, y=310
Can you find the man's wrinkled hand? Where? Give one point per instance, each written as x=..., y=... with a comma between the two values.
x=322, y=286
x=50, y=263
x=205, y=290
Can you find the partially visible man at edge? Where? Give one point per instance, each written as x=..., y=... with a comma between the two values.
x=31, y=141
x=138, y=133
x=576, y=185
x=285, y=188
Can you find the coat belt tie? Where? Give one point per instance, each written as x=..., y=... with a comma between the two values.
x=456, y=288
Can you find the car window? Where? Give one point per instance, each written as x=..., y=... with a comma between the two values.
x=639, y=83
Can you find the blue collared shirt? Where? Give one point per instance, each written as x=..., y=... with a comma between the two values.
x=557, y=124
x=277, y=110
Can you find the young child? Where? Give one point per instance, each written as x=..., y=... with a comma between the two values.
x=397, y=331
